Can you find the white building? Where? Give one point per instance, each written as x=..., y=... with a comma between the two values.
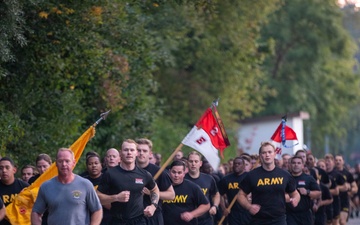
x=256, y=130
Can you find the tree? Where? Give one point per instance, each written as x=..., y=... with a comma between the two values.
x=310, y=66
x=79, y=61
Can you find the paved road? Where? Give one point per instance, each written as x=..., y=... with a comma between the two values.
x=355, y=221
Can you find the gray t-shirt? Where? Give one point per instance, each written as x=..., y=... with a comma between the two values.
x=70, y=204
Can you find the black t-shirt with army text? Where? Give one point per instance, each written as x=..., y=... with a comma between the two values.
x=8, y=193
x=188, y=196
x=116, y=180
x=268, y=190
x=229, y=185
x=208, y=186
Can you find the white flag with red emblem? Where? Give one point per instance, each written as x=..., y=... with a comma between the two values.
x=208, y=137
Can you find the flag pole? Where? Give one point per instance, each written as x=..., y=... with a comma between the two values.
x=229, y=208
x=167, y=162
x=102, y=117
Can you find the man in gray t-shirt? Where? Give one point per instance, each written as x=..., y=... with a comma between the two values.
x=69, y=198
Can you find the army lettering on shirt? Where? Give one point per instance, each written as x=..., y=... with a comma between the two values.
x=268, y=190
x=9, y=192
x=188, y=196
x=229, y=185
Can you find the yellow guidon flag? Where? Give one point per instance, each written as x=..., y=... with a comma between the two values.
x=19, y=211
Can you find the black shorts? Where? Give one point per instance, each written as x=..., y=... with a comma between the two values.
x=344, y=204
x=239, y=218
x=275, y=221
x=206, y=221
x=140, y=220
x=336, y=207
x=320, y=218
x=329, y=213
x=299, y=217
x=156, y=219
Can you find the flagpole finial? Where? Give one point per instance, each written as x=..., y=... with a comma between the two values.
x=284, y=117
x=216, y=102
x=103, y=116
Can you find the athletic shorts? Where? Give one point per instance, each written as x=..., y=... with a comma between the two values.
x=329, y=213
x=140, y=220
x=239, y=218
x=156, y=219
x=336, y=207
x=299, y=217
x=344, y=204
x=274, y=221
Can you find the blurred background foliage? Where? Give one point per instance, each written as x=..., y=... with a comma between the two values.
x=159, y=64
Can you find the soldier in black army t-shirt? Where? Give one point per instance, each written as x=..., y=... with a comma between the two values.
x=308, y=189
x=337, y=185
x=122, y=186
x=9, y=185
x=351, y=189
x=229, y=186
x=268, y=185
x=207, y=184
x=189, y=203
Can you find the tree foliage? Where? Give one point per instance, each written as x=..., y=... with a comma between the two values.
x=159, y=65
x=310, y=66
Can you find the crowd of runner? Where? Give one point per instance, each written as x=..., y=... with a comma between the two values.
x=131, y=188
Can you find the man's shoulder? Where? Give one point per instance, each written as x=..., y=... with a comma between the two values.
x=21, y=182
x=152, y=169
x=82, y=180
x=49, y=183
x=189, y=184
x=305, y=177
x=142, y=172
x=207, y=176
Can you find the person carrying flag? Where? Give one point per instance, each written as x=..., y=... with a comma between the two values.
x=229, y=186
x=9, y=185
x=268, y=185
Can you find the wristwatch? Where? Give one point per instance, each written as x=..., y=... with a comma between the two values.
x=155, y=204
x=308, y=192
